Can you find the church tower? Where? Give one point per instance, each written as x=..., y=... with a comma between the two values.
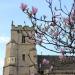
x=20, y=56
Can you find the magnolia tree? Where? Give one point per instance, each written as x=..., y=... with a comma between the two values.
x=56, y=35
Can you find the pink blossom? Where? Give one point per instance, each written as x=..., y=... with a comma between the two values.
x=34, y=10
x=61, y=57
x=23, y=6
x=39, y=41
x=32, y=73
x=40, y=65
x=45, y=61
x=46, y=28
x=73, y=30
x=62, y=51
x=51, y=67
x=66, y=20
x=55, y=33
x=70, y=20
x=73, y=15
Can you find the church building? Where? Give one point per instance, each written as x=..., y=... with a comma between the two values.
x=21, y=56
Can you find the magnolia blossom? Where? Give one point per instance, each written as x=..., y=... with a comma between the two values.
x=34, y=10
x=73, y=30
x=70, y=20
x=23, y=6
x=39, y=35
x=52, y=28
x=73, y=15
x=62, y=51
x=32, y=73
x=40, y=65
x=39, y=41
x=45, y=61
x=66, y=20
x=61, y=57
x=55, y=33
x=51, y=67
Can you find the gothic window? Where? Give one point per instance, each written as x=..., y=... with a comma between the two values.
x=23, y=39
x=23, y=57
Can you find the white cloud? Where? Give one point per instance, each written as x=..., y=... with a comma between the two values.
x=1, y=63
x=4, y=40
x=1, y=66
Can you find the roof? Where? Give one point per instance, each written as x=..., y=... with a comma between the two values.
x=55, y=62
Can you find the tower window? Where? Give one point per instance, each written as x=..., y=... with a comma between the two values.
x=23, y=39
x=23, y=57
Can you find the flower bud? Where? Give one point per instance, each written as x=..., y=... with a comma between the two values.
x=23, y=6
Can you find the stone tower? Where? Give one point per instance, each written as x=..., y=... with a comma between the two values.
x=20, y=56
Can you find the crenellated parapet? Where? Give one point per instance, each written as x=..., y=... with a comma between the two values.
x=20, y=27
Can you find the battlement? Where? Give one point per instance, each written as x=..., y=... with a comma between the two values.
x=20, y=27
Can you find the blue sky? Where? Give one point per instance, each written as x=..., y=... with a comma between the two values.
x=9, y=10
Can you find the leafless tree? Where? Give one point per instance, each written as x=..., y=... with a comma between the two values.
x=56, y=35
